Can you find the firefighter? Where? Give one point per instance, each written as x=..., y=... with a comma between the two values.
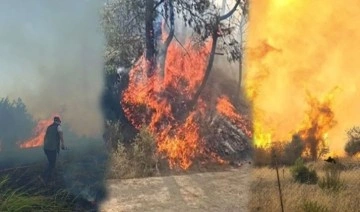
x=53, y=141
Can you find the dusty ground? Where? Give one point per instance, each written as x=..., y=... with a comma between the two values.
x=212, y=191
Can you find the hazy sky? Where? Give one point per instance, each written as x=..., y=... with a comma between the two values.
x=51, y=55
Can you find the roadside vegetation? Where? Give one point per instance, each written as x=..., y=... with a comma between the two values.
x=324, y=185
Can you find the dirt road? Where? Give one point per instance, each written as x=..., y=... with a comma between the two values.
x=212, y=191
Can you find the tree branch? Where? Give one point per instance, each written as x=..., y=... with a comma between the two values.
x=215, y=37
x=230, y=13
x=149, y=34
x=172, y=25
x=154, y=8
x=158, y=4
x=175, y=37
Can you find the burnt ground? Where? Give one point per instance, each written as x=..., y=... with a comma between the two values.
x=208, y=191
x=80, y=174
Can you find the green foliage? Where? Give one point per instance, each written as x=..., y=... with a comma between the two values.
x=313, y=206
x=352, y=147
x=123, y=24
x=16, y=123
x=293, y=150
x=20, y=200
x=331, y=181
x=302, y=174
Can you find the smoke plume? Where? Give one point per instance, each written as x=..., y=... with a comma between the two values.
x=51, y=56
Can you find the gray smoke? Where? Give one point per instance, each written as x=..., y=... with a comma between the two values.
x=51, y=56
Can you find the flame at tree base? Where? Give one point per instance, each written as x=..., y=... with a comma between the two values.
x=162, y=104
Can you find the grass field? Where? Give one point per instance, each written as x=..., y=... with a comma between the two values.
x=303, y=197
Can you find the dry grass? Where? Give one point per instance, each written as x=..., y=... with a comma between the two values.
x=139, y=160
x=264, y=190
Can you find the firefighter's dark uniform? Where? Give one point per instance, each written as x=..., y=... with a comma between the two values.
x=51, y=149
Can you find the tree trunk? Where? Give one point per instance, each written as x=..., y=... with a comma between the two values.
x=240, y=74
x=149, y=33
x=242, y=25
x=169, y=38
x=208, y=68
x=215, y=36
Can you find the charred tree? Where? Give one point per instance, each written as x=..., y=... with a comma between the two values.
x=150, y=36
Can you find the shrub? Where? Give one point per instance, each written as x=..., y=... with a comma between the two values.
x=352, y=147
x=331, y=180
x=144, y=153
x=302, y=174
x=313, y=206
x=261, y=156
x=113, y=135
x=277, y=153
x=138, y=160
x=120, y=163
x=16, y=123
x=293, y=150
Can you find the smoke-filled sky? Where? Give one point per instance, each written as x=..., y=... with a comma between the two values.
x=304, y=45
x=51, y=56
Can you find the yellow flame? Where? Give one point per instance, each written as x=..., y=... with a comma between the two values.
x=279, y=4
x=299, y=46
x=261, y=137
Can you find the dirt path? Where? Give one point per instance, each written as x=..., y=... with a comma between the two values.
x=213, y=191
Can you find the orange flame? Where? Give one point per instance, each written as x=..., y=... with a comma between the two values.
x=39, y=134
x=155, y=102
x=225, y=108
x=161, y=103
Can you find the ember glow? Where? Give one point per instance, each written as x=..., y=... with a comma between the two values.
x=162, y=104
x=38, y=135
x=300, y=47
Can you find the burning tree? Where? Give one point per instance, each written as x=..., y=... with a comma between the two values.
x=166, y=88
x=320, y=119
